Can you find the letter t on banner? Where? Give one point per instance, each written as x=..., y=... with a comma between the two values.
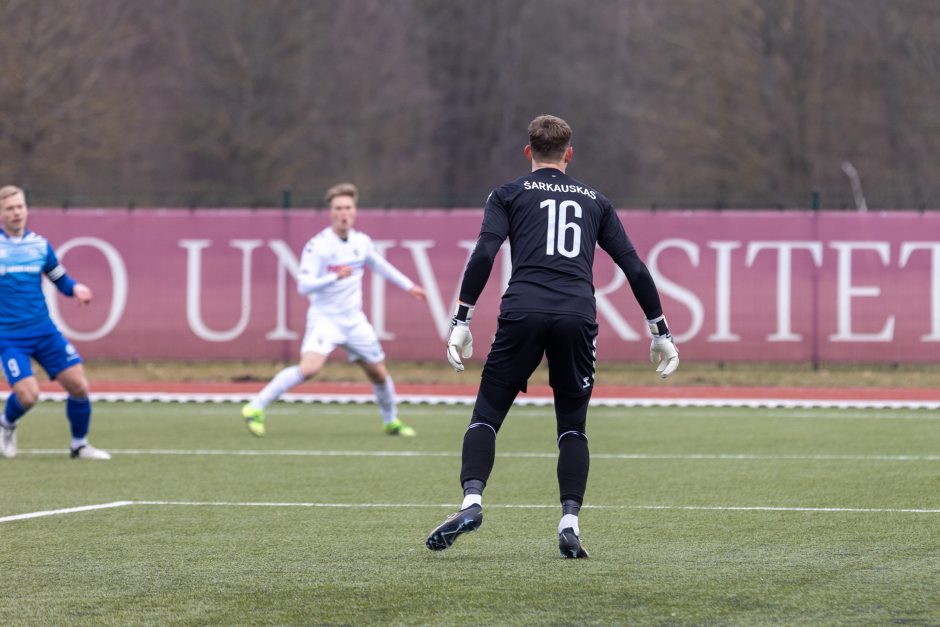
x=784, y=280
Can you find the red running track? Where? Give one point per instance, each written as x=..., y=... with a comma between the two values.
x=470, y=389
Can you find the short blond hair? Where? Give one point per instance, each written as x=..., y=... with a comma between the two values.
x=342, y=189
x=10, y=190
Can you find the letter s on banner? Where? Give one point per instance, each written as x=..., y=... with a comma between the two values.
x=118, y=286
x=673, y=289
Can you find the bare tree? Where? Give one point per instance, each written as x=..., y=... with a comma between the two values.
x=58, y=113
x=422, y=102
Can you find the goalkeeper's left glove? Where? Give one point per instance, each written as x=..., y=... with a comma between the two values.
x=663, y=351
x=460, y=342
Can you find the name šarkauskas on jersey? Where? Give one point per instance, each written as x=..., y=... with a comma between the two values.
x=552, y=241
x=560, y=188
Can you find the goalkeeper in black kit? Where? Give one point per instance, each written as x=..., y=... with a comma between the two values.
x=553, y=223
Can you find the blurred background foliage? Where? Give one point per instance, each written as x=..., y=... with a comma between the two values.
x=424, y=103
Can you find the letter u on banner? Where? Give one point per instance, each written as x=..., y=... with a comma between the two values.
x=194, y=288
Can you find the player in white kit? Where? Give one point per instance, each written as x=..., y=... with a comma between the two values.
x=331, y=270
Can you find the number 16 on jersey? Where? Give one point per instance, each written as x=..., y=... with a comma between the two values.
x=559, y=228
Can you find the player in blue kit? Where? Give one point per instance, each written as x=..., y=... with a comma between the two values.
x=553, y=223
x=27, y=331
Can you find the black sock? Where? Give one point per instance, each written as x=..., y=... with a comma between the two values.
x=473, y=486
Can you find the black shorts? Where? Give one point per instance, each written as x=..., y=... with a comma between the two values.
x=522, y=339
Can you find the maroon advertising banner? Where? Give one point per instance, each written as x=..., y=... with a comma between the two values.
x=791, y=286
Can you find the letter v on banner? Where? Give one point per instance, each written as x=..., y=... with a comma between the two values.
x=377, y=287
x=440, y=312
x=194, y=249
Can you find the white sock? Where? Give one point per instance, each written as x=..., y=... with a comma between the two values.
x=472, y=499
x=385, y=395
x=76, y=442
x=282, y=381
x=3, y=421
x=569, y=520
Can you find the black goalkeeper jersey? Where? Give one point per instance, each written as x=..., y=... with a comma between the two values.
x=553, y=223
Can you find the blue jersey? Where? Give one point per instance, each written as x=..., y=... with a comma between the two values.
x=23, y=261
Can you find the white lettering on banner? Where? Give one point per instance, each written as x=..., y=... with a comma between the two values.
x=507, y=267
x=934, y=247
x=607, y=309
x=377, y=285
x=439, y=307
x=287, y=264
x=194, y=288
x=674, y=290
x=784, y=280
x=428, y=281
x=118, y=289
x=845, y=291
x=723, y=292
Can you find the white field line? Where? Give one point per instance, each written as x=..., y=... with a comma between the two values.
x=520, y=455
x=691, y=508
x=849, y=413
x=712, y=412
x=709, y=508
x=428, y=399
x=67, y=510
x=708, y=413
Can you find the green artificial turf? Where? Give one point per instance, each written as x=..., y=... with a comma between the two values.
x=324, y=520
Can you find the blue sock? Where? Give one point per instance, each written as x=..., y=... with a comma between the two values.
x=78, y=411
x=13, y=410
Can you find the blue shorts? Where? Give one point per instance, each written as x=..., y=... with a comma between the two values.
x=53, y=352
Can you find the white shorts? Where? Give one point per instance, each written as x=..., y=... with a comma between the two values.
x=352, y=333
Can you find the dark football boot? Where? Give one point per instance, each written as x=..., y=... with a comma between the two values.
x=569, y=544
x=464, y=521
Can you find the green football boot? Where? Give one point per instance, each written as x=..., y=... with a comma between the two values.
x=397, y=427
x=254, y=418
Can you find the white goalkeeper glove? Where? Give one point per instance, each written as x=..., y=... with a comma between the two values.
x=460, y=341
x=663, y=351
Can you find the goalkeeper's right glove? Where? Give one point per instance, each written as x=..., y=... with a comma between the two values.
x=460, y=341
x=663, y=351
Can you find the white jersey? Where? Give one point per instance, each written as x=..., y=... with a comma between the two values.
x=324, y=254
